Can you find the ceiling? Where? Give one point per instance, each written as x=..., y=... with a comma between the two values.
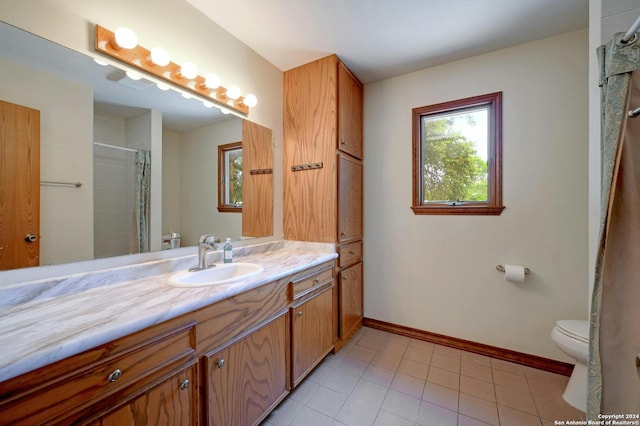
x=378, y=39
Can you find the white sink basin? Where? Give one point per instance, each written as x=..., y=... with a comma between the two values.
x=222, y=273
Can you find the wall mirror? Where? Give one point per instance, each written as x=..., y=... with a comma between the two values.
x=100, y=133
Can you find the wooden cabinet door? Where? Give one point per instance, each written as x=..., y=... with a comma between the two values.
x=349, y=113
x=257, y=184
x=349, y=198
x=173, y=402
x=19, y=186
x=351, y=303
x=312, y=336
x=310, y=134
x=248, y=378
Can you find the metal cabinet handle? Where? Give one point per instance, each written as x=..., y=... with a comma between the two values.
x=299, y=314
x=342, y=142
x=638, y=361
x=344, y=277
x=31, y=238
x=351, y=252
x=220, y=363
x=343, y=234
x=115, y=375
x=316, y=281
x=184, y=385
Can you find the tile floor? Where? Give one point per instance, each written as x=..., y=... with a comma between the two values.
x=380, y=378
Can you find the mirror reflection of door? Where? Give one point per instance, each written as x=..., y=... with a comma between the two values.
x=19, y=186
x=257, y=181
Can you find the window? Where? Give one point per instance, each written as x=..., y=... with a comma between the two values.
x=457, y=157
x=230, y=177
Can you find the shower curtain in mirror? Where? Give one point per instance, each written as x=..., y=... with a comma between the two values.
x=614, y=378
x=141, y=212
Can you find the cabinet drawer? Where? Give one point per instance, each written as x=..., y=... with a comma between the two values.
x=88, y=384
x=304, y=286
x=349, y=254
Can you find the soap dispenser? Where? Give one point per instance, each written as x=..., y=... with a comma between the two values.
x=227, y=251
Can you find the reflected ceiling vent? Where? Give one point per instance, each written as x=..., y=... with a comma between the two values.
x=120, y=77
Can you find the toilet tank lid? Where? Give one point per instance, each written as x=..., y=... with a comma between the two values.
x=576, y=328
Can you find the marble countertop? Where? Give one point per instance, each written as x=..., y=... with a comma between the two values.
x=44, y=322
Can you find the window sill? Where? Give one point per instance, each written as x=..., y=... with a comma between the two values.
x=440, y=209
x=229, y=209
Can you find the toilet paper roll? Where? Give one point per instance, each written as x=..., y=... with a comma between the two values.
x=514, y=273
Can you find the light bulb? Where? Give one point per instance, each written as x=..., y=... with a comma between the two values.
x=233, y=92
x=186, y=96
x=125, y=38
x=225, y=111
x=160, y=56
x=100, y=62
x=189, y=70
x=212, y=81
x=133, y=75
x=207, y=104
x=250, y=100
x=163, y=86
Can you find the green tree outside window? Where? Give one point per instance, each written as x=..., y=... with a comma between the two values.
x=453, y=170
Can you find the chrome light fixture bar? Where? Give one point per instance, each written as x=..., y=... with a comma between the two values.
x=185, y=76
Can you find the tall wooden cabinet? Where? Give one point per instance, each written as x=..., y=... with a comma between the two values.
x=323, y=150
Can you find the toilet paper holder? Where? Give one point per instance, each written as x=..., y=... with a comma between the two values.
x=501, y=269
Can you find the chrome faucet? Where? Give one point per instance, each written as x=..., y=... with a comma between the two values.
x=206, y=243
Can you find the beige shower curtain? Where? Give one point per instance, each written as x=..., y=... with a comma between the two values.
x=614, y=376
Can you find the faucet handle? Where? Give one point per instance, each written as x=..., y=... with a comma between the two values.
x=207, y=238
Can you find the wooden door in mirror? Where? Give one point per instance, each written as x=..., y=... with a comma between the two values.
x=19, y=186
x=257, y=185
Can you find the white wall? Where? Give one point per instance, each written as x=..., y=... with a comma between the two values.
x=595, y=13
x=113, y=172
x=183, y=31
x=65, y=156
x=617, y=16
x=199, y=182
x=437, y=273
x=170, y=181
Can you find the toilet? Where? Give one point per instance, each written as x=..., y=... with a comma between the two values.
x=572, y=337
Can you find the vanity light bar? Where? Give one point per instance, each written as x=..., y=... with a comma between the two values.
x=138, y=57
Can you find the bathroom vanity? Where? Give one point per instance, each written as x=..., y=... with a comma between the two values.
x=141, y=351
